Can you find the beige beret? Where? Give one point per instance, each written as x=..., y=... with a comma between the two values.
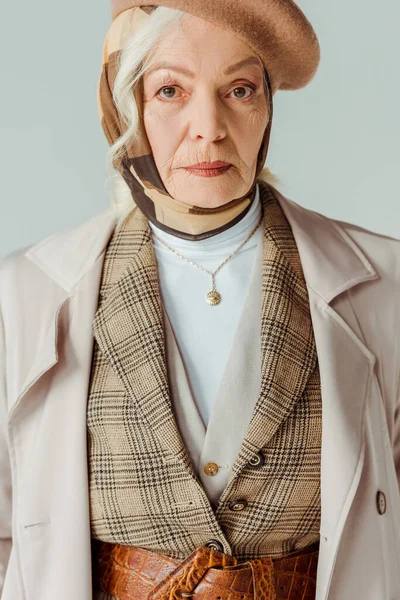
x=276, y=30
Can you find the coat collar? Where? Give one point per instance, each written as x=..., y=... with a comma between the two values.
x=331, y=261
x=68, y=255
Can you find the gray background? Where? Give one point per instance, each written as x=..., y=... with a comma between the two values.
x=334, y=144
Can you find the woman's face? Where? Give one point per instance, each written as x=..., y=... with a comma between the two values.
x=212, y=113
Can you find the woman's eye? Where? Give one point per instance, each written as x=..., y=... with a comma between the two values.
x=169, y=87
x=241, y=87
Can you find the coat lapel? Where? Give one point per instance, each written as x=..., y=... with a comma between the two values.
x=65, y=257
x=287, y=342
x=129, y=329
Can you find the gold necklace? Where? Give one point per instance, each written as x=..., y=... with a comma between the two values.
x=213, y=297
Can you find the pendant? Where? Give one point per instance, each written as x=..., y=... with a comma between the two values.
x=213, y=297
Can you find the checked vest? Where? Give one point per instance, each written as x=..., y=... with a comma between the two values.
x=144, y=487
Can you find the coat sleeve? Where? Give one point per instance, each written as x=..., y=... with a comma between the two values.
x=5, y=470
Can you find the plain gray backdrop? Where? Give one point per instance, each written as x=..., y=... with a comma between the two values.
x=334, y=144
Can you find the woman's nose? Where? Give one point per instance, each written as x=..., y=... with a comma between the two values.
x=207, y=119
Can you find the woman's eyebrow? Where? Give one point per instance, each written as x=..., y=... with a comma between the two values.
x=251, y=60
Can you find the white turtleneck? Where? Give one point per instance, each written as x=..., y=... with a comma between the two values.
x=204, y=333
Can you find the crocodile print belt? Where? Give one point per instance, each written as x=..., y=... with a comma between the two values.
x=133, y=573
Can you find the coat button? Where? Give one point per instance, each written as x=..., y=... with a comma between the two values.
x=256, y=461
x=214, y=545
x=211, y=468
x=381, y=502
x=237, y=505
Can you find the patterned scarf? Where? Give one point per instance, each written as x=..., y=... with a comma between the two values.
x=136, y=164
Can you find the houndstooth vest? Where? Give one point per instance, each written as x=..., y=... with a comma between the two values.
x=144, y=488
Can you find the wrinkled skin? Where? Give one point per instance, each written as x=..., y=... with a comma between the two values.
x=211, y=116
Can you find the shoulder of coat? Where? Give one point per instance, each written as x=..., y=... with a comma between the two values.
x=62, y=242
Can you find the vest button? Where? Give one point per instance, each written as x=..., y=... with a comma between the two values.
x=215, y=545
x=256, y=461
x=211, y=468
x=381, y=502
x=237, y=505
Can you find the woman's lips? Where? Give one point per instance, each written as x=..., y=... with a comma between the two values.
x=208, y=172
x=216, y=164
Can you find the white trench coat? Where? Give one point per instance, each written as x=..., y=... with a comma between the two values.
x=48, y=297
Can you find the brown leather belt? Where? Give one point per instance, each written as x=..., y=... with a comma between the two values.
x=133, y=573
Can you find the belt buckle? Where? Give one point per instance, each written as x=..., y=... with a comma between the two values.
x=183, y=580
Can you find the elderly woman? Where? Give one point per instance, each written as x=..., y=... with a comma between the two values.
x=199, y=387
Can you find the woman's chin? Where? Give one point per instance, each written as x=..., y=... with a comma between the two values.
x=208, y=193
